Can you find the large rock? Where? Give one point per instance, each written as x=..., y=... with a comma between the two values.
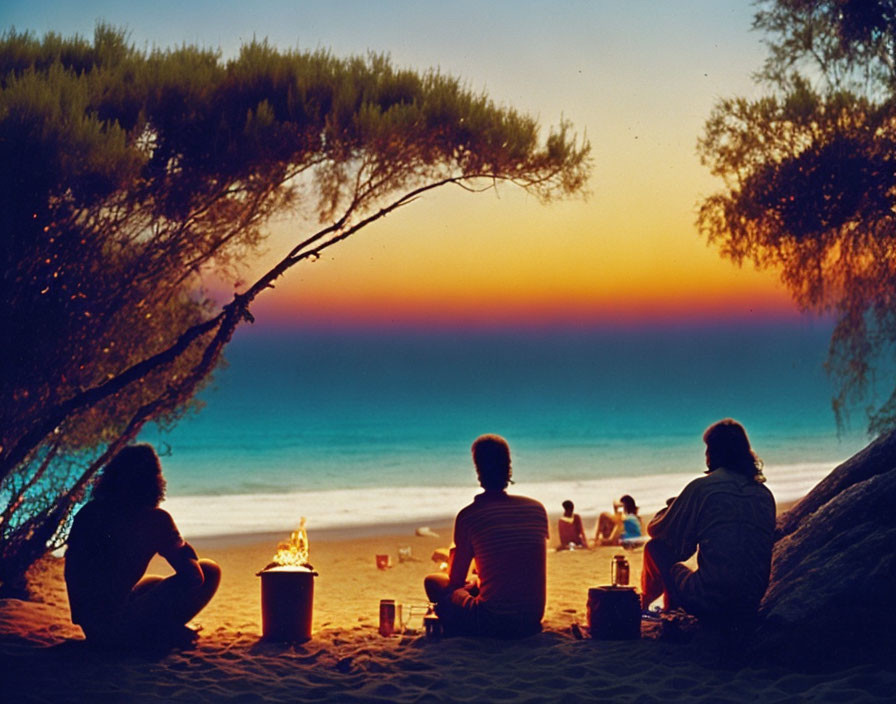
x=877, y=458
x=831, y=596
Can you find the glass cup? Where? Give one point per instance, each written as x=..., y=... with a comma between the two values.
x=410, y=616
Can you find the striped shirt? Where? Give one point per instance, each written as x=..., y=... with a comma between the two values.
x=506, y=535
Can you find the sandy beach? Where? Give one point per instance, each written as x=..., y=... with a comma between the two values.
x=45, y=659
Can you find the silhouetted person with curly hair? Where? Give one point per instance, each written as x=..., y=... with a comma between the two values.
x=112, y=540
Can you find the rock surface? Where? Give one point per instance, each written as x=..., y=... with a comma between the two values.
x=830, y=600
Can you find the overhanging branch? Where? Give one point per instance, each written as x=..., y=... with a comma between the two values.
x=224, y=323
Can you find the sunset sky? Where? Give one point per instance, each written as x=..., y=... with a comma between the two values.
x=637, y=78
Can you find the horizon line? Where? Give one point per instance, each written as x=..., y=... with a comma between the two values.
x=267, y=319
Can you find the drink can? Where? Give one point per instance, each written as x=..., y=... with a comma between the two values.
x=387, y=617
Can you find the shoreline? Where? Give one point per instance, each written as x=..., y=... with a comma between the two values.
x=368, y=511
x=394, y=531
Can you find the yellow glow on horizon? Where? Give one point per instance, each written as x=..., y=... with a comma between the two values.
x=629, y=250
x=637, y=79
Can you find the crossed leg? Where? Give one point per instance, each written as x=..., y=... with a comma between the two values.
x=158, y=608
x=436, y=586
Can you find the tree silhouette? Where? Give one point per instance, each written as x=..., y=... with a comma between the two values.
x=128, y=175
x=810, y=181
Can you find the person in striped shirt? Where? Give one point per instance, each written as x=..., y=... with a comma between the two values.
x=506, y=537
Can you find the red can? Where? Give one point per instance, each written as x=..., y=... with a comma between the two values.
x=387, y=617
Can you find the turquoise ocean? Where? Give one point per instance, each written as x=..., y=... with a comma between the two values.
x=365, y=428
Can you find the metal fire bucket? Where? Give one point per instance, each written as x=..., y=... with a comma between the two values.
x=287, y=598
x=614, y=613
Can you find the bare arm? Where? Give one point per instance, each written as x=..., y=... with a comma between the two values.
x=462, y=556
x=185, y=562
x=580, y=531
x=460, y=566
x=178, y=552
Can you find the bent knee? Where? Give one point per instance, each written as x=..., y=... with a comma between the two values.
x=435, y=585
x=210, y=568
x=211, y=573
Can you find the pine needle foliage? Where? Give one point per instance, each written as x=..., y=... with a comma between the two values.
x=810, y=182
x=128, y=175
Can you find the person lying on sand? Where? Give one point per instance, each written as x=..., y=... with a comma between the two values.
x=570, y=530
x=507, y=536
x=728, y=518
x=112, y=539
x=622, y=527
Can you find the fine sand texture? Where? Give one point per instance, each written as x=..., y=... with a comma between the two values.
x=43, y=657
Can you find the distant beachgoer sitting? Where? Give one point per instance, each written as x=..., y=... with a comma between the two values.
x=624, y=527
x=728, y=518
x=507, y=537
x=570, y=531
x=112, y=540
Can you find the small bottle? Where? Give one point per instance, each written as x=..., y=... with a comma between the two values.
x=619, y=571
x=431, y=625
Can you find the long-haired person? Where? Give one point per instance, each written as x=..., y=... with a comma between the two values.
x=623, y=527
x=729, y=515
x=112, y=539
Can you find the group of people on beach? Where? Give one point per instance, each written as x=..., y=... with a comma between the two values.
x=621, y=527
x=726, y=517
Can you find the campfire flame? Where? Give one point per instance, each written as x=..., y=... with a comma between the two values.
x=293, y=552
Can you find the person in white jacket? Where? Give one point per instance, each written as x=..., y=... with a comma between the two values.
x=728, y=518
